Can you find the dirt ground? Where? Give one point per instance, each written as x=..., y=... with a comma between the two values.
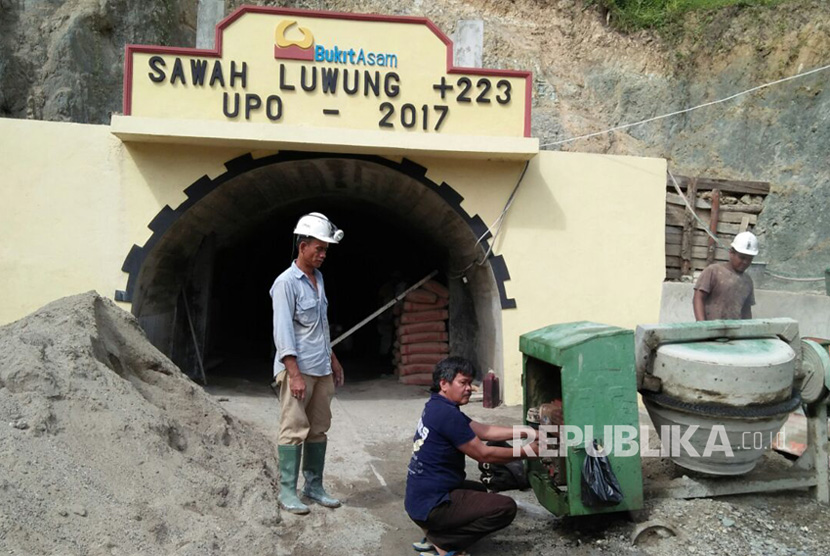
x=107, y=449
x=370, y=445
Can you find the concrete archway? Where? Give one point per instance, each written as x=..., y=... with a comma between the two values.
x=232, y=236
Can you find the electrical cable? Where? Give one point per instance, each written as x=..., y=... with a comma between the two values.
x=502, y=216
x=686, y=110
x=497, y=223
x=794, y=279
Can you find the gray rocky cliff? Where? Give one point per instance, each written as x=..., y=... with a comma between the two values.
x=63, y=60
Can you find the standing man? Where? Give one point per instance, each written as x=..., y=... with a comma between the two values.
x=723, y=290
x=453, y=512
x=305, y=367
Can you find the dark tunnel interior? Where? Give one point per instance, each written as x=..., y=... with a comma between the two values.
x=360, y=274
x=202, y=292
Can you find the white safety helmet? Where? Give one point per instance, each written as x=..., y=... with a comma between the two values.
x=746, y=243
x=318, y=226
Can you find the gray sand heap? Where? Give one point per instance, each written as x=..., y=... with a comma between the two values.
x=107, y=448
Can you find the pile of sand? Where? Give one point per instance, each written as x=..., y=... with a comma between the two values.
x=107, y=448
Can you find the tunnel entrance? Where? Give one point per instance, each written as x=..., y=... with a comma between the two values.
x=358, y=272
x=200, y=286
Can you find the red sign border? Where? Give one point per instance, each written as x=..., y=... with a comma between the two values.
x=131, y=49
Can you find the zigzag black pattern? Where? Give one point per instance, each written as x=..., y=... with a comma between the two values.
x=245, y=163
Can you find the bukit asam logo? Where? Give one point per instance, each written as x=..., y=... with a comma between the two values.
x=293, y=49
x=292, y=42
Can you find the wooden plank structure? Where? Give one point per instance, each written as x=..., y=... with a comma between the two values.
x=726, y=208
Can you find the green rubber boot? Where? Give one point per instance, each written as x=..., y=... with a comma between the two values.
x=289, y=455
x=314, y=459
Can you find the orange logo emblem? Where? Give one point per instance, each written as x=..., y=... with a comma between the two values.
x=293, y=48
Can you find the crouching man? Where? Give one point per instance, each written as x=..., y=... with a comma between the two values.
x=453, y=512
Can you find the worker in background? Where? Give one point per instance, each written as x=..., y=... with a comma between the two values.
x=724, y=290
x=453, y=512
x=305, y=366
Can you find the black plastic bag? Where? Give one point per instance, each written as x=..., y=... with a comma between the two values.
x=509, y=476
x=600, y=486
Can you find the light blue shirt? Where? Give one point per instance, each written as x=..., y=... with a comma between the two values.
x=301, y=324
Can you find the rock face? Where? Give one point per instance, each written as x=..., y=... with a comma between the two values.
x=107, y=448
x=62, y=60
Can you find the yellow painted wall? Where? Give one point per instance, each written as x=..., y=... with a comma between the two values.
x=75, y=200
x=585, y=242
x=60, y=219
x=584, y=239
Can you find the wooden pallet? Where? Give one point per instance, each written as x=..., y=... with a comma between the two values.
x=688, y=246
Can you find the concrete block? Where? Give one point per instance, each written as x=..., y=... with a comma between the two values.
x=468, y=43
x=210, y=13
x=811, y=311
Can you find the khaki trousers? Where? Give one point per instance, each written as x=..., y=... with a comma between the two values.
x=309, y=419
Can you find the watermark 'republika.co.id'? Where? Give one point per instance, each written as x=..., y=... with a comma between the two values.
x=624, y=441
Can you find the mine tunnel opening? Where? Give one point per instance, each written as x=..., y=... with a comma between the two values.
x=361, y=274
x=205, y=282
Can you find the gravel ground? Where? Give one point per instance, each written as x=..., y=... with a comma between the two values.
x=370, y=446
x=107, y=449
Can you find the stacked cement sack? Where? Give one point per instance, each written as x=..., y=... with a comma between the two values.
x=421, y=330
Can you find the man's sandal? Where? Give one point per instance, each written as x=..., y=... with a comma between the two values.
x=423, y=546
x=426, y=548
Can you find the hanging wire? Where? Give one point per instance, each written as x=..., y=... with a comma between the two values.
x=793, y=279
x=686, y=110
x=692, y=210
x=497, y=224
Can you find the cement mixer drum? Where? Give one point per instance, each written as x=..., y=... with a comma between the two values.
x=730, y=372
x=727, y=396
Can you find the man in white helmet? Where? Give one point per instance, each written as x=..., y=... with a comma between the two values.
x=724, y=290
x=305, y=366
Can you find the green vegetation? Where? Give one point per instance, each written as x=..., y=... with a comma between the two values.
x=643, y=14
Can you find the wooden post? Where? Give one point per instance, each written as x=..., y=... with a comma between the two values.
x=196, y=347
x=713, y=226
x=688, y=230
x=191, y=318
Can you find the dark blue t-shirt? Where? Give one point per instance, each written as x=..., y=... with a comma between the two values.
x=437, y=465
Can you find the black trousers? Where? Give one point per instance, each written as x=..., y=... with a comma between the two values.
x=470, y=514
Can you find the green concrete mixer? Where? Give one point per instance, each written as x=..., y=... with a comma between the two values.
x=716, y=393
